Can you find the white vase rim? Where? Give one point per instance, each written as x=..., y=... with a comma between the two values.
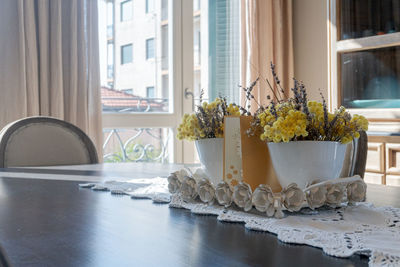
x=218, y=138
x=306, y=141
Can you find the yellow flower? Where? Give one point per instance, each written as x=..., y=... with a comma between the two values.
x=289, y=124
x=211, y=119
x=286, y=123
x=189, y=127
x=233, y=110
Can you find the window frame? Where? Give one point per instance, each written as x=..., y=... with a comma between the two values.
x=147, y=10
x=121, y=10
x=381, y=119
x=122, y=53
x=147, y=91
x=147, y=48
x=180, y=57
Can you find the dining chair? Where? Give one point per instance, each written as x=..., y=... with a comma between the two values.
x=44, y=141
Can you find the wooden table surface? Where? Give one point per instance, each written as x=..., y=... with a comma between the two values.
x=52, y=222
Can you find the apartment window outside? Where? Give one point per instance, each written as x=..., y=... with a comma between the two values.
x=164, y=9
x=126, y=54
x=149, y=6
x=164, y=47
x=110, y=13
x=110, y=60
x=150, y=48
x=150, y=92
x=110, y=20
x=196, y=5
x=126, y=10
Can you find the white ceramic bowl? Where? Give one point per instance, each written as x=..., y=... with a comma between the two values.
x=302, y=162
x=211, y=157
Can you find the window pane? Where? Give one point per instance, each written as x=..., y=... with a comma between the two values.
x=216, y=47
x=124, y=50
x=196, y=5
x=164, y=9
x=137, y=145
x=363, y=18
x=126, y=10
x=149, y=6
x=164, y=47
x=371, y=79
x=150, y=91
x=110, y=13
x=126, y=54
x=110, y=61
x=150, y=48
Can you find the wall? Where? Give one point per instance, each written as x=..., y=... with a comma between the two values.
x=310, y=45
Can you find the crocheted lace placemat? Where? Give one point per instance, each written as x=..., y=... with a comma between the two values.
x=360, y=228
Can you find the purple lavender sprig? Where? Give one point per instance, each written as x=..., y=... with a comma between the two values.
x=325, y=112
x=277, y=81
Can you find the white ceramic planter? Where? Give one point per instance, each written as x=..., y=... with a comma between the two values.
x=211, y=157
x=302, y=162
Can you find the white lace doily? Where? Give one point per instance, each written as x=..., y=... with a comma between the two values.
x=341, y=232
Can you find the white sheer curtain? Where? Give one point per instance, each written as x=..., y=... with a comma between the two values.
x=49, y=62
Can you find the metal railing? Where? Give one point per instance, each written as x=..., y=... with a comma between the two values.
x=153, y=147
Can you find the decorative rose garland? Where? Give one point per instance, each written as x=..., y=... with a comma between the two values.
x=332, y=193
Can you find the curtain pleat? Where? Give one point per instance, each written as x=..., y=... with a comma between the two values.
x=267, y=37
x=29, y=54
x=82, y=66
x=56, y=100
x=44, y=57
x=93, y=81
x=56, y=71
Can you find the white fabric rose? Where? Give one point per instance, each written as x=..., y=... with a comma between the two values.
x=242, y=196
x=293, y=197
x=278, y=206
x=263, y=199
x=223, y=193
x=200, y=174
x=206, y=191
x=316, y=196
x=334, y=195
x=174, y=184
x=188, y=188
x=356, y=191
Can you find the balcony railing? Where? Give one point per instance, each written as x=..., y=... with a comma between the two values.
x=136, y=145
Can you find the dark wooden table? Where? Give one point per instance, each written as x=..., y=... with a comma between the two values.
x=52, y=222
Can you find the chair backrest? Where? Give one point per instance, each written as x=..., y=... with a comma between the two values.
x=44, y=141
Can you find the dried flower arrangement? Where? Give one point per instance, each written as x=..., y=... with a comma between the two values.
x=207, y=121
x=296, y=118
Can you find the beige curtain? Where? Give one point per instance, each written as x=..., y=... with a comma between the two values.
x=266, y=36
x=49, y=64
